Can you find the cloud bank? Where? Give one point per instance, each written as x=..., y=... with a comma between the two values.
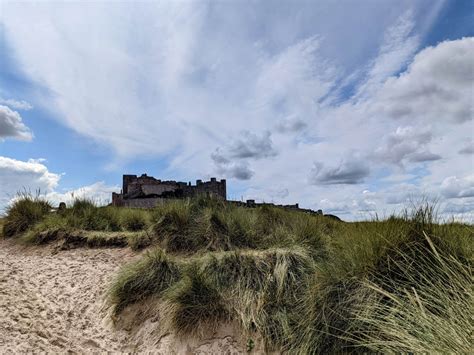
x=354, y=118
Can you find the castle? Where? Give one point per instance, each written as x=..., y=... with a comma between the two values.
x=146, y=192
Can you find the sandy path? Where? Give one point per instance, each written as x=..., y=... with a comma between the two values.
x=54, y=303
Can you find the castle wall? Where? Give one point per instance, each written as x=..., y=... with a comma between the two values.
x=144, y=187
x=158, y=189
x=144, y=202
x=211, y=187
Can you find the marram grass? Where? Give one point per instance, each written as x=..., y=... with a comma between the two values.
x=306, y=284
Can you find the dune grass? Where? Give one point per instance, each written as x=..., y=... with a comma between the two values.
x=23, y=213
x=304, y=283
x=150, y=276
x=32, y=220
x=307, y=284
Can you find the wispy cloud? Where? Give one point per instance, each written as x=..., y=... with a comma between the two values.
x=363, y=100
x=15, y=104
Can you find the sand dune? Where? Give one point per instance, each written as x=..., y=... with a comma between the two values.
x=54, y=302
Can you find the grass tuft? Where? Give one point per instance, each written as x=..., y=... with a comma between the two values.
x=194, y=306
x=24, y=213
x=150, y=276
x=133, y=219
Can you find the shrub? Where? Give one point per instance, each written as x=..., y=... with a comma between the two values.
x=269, y=218
x=24, y=213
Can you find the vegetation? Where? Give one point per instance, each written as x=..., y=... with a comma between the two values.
x=304, y=283
x=24, y=212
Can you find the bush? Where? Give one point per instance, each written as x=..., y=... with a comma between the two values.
x=399, y=285
x=24, y=213
x=222, y=229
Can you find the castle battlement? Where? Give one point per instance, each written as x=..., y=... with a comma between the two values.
x=145, y=191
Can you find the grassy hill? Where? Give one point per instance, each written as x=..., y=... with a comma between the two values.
x=303, y=283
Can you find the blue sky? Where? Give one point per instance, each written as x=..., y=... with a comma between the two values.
x=355, y=107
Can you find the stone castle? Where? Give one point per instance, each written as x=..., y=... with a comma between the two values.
x=146, y=192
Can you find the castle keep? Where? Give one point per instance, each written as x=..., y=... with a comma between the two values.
x=146, y=191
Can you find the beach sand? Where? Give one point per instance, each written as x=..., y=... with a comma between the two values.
x=55, y=303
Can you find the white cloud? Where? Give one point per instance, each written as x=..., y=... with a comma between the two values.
x=98, y=192
x=194, y=75
x=468, y=147
x=17, y=105
x=407, y=144
x=12, y=126
x=436, y=87
x=453, y=187
x=30, y=176
x=399, y=45
x=34, y=177
x=348, y=171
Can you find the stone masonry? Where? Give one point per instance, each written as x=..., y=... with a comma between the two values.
x=145, y=191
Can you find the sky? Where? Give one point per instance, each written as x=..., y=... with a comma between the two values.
x=358, y=108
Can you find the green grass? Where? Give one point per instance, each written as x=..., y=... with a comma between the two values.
x=306, y=284
x=427, y=307
x=24, y=213
x=150, y=276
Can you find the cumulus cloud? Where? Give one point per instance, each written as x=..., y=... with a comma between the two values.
x=99, y=192
x=251, y=146
x=290, y=125
x=437, y=85
x=233, y=160
x=236, y=170
x=407, y=144
x=31, y=175
x=11, y=125
x=459, y=208
x=454, y=187
x=17, y=105
x=348, y=171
